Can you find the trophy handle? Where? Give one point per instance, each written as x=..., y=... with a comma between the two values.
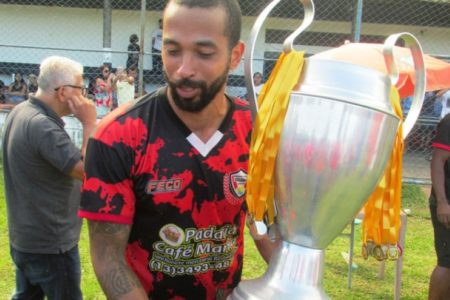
x=287, y=46
x=308, y=6
x=419, y=88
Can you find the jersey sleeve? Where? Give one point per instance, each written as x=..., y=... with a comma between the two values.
x=107, y=190
x=442, y=139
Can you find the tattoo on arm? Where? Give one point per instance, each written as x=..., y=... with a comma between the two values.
x=108, y=243
x=105, y=228
x=118, y=282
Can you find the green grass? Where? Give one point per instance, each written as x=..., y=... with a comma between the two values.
x=418, y=261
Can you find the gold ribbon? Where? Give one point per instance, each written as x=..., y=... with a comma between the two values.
x=382, y=221
x=272, y=102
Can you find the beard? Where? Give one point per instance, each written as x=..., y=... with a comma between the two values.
x=206, y=96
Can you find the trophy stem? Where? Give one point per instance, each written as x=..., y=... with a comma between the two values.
x=294, y=272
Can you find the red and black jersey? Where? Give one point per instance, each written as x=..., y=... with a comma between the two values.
x=442, y=141
x=184, y=198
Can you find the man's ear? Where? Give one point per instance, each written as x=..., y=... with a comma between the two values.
x=236, y=55
x=60, y=95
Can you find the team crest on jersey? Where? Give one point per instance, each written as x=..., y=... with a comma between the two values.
x=235, y=186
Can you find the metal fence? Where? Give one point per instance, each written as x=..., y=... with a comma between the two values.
x=96, y=32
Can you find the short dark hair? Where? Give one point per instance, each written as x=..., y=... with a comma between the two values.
x=134, y=38
x=233, y=21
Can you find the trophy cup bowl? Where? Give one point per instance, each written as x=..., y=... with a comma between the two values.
x=337, y=137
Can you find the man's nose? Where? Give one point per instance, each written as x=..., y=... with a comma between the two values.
x=187, y=66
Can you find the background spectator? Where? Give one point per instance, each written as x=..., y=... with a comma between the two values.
x=17, y=90
x=2, y=92
x=132, y=72
x=103, y=91
x=258, y=81
x=156, y=48
x=123, y=86
x=133, y=52
x=42, y=172
x=444, y=98
x=32, y=83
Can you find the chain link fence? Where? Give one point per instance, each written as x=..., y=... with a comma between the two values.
x=96, y=32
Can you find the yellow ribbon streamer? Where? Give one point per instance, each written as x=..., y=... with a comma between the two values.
x=272, y=102
x=382, y=221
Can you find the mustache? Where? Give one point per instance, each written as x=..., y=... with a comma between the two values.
x=186, y=82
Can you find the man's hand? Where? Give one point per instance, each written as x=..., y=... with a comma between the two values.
x=83, y=109
x=443, y=213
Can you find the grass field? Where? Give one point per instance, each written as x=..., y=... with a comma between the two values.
x=418, y=262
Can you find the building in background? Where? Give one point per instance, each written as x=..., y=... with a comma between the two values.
x=94, y=31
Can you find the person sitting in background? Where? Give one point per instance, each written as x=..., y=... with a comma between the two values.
x=3, y=91
x=103, y=91
x=258, y=82
x=32, y=83
x=17, y=90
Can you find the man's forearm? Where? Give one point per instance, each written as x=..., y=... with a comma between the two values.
x=438, y=178
x=87, y=131
x=118, y=281
x=108, y=242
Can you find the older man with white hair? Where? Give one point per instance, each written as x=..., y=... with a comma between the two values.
x=42, y=170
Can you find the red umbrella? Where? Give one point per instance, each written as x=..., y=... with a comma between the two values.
x=371, y=55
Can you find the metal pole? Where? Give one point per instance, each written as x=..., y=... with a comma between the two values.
x=141, y=52
x=357, y=20
x=107, y=20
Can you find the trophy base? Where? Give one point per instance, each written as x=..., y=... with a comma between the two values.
x=294, y=272
x=260, y=289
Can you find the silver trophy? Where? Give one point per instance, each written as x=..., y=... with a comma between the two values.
x=337, y=137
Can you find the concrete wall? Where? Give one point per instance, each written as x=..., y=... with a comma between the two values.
x=78, y=33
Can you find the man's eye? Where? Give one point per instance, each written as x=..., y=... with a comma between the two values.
x=206, y=54
x=173, y=52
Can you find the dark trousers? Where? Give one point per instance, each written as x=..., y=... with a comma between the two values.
x=56, y=276
x=157, y=61
x=441, y=239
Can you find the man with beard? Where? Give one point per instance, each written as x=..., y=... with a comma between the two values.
x=164, y=191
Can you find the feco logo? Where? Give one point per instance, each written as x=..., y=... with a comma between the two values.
x=163, y=186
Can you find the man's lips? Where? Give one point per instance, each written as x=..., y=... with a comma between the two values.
x=186, y=91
